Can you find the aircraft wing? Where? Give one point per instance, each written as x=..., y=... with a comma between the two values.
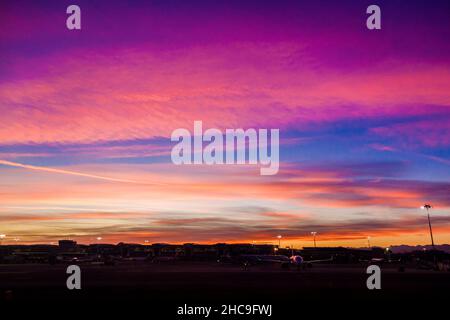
x=318, y=261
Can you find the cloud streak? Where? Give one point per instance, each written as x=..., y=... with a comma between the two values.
x=67, y=172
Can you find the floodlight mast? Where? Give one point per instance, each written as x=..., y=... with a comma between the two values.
x=314, y=237
x=279, y=240
x=428, y=207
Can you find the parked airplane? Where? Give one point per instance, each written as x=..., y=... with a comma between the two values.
x=284, y=261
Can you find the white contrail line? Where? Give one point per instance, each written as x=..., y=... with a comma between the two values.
x=32, y=208
x=74, y=173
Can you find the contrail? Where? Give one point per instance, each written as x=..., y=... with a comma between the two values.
x=74, y=173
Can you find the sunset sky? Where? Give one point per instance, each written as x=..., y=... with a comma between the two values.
x=86, y=118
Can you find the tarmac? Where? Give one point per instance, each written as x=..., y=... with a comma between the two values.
x=210, y=282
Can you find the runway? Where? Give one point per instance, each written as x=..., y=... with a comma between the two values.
x=210, y=282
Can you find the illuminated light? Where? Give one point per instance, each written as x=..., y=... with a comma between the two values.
x=279, y=240
x=313, y=233
x=428, y=206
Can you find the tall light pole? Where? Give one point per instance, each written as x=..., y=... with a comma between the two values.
x=368, y=241
x=279, y=241
x=428, y=207
x=314, y=237
x=98, y=246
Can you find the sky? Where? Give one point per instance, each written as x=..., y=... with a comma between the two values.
x=86, y=118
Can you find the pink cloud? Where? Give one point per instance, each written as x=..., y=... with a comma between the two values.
x=142, y=93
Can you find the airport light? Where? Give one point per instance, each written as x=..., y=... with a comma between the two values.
x=98, y=249
x=428, y=207
x=314, y=237
x=279, y=240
